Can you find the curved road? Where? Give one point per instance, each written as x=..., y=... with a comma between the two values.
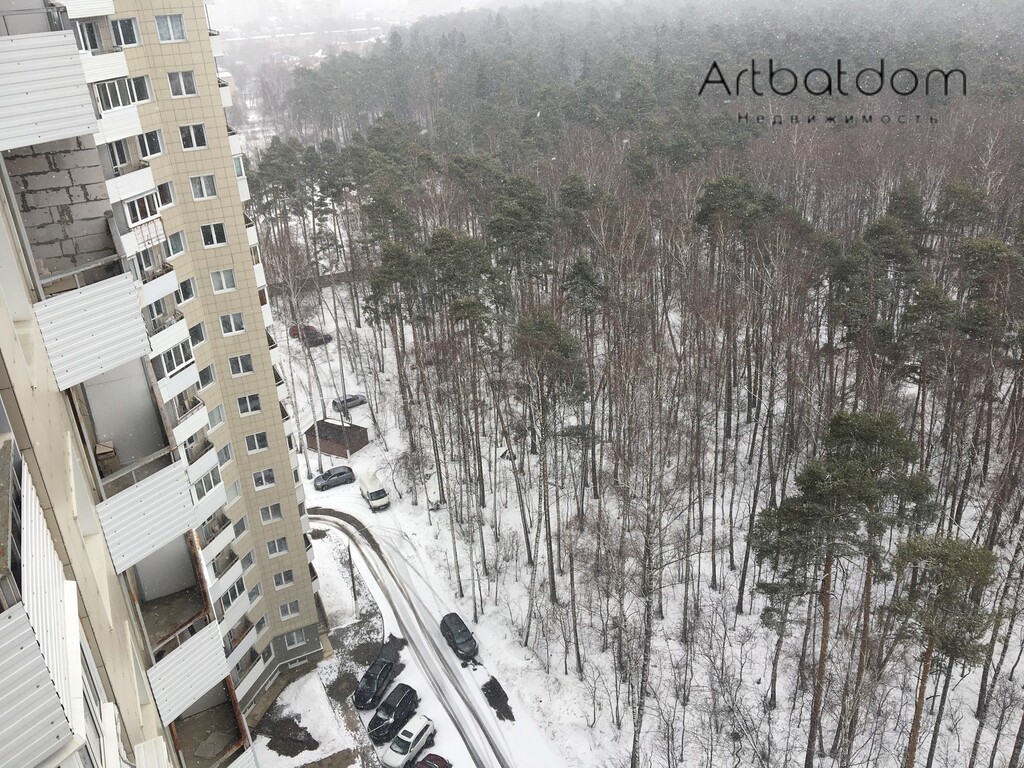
x=459, y=695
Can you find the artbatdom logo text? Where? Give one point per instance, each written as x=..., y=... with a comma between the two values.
x=818, y=81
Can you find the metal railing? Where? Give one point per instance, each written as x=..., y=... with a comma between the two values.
x=195, y=452
x=224, y=562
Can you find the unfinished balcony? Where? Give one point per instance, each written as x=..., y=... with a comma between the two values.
x=213, y=738
x=314, y=577
x=169, y=619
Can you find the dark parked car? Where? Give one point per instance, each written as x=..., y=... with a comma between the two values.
x=458, y=636
x=393, y=713
x=309, y=335
x=333, y=477
x=350, y=401
x=373, y=684
x=433, y=761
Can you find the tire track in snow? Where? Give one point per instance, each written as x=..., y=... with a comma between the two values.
x=487, y=747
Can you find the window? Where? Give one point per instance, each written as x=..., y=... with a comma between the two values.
x=291, y=442
x=233, y=323
x=233, y=491
x=203, y=187
x=126, y=32
x=207, y=483
x=239, y=166
x=216, y=416
x=289, y=609
x=171, y=28
x=249, y=560
x=213, y=234
x=256, y=442
x=264, y=478
x=294, y=639
x=177, y=357
x=197, y=334
x=165, y=194
x=175, y=244
x=182, y=84
x=87, y=35
x=193, y=136
x=143, y=92
x=119, y=154
x=295, y=476
x=249, y=404
x=284, y=579
x=277, y=546
x=224, y=455
x=255, y=594
x=240, y=365
x=186, y=291
x=114, y=94
x=241, y=526
x=142, y=209
x=223, y=280
x=235, y=591
x=206, y=377
x=271, y=513
x=261, y=625
x=151, y=144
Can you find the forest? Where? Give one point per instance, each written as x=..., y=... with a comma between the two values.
x=727, y=421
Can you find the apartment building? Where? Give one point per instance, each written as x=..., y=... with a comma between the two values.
x=142, y=428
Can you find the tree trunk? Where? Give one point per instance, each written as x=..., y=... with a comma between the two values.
x=922, y=689
x=819, y=675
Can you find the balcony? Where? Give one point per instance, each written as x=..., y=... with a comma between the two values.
x=83, y=9
x=210, y=738
x=235, y=141
x=130, y=181
x=242, y=669
x=214, y=537
x=104, y=64
x=193, y=417
x=247, y=678
x=197, y=450
x=123, y=123
x=314, y=577
x=91, y=330
x=243, y=189
x=117, y=478
x=151, y=511
x=203, y=465
x=239, y=640
x=166, y=617
x=166, y=331
x=251, y=233
x=271, y=342
x=225, y=93
x=187, y=673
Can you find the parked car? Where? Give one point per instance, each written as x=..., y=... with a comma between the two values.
x=416, y=736
x=433, y=761
x=341, y=405
x=309, y=335
x=371, y=489
x=333, y=477
x=373, y=684
x=458, y=636
x=394, y=712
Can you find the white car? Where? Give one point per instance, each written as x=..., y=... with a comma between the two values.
x=417, y=734
x=371, y=489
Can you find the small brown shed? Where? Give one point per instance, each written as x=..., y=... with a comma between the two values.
x=333, y=434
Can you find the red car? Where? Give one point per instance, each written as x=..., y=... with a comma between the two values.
x=433, y=761
x=309, y=335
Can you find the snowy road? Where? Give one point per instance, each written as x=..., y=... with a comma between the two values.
x=456, y=690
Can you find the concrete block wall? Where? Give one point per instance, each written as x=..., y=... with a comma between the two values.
x=63, y=201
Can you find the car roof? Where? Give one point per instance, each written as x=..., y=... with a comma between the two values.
x=416, y=724
x=453, y=619
x=399, y=692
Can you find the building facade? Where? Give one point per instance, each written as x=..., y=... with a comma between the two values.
x=142, y=434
